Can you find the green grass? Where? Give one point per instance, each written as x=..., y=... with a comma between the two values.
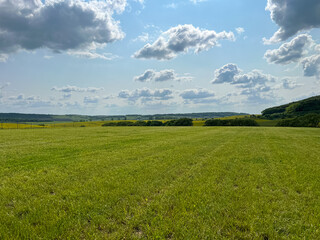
x=160, y=183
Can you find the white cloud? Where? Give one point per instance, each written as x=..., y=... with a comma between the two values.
x=181, y=39
x=171, y=5
x=29, y=102
x=2, y=87
x=225, y=74
x=92, y=55
x=293, y=16
x=197, y=1
x=240, y=30
x=58, y=25
x=90, y=99
x=290, y=84
x=311, y=66
x=230, y=73
x=68, y=89
x=144, y=37
x=255, y=85
x=254, y=79
x=3, y=57
x=191, y=94
x=48, y=57
x=146, y=95
x=291, y=51
x=66, y=96
x=151, y=75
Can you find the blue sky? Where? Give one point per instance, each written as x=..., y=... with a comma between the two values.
x=151, y=56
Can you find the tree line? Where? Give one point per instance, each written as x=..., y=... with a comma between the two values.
x=152, y=123
x=309, y=120
x=231, y=122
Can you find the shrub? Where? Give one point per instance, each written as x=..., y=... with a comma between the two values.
x=140, y=123
x=309, y=120
x=231, y=122
x=108, y=124
x=180, y=122
x=125, y=123
x=154, y=123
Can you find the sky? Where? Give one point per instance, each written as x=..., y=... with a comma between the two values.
x=113, y=57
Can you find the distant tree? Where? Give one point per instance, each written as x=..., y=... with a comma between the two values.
x=231, y=122
x=309, y=120
x=180, y=122
x=154, y=123
x=140, y=123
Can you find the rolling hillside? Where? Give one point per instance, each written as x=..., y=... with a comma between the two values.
x=294, y=109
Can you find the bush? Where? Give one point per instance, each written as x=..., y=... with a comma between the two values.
x=125, y=123
x=154, y=123
x=140, y=123
x=121, y=123
x=231, y=122
x=180, y=122
x=309, y=120
x=108, y=124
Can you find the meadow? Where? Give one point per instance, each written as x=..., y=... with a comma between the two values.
x=160, y=183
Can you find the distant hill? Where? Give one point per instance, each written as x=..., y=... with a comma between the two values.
x=19, y=117
x=294, y=109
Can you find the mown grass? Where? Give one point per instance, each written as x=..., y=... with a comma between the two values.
x=160, y=183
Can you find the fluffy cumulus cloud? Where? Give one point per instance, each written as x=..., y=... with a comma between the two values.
x=293, y=16
x=291, y=51
x=253, y=79
x=58, y=25
x=226, y=73
x=181, y=39
x=69, y=89
x=230, y=73
x=146, y=95
x=311, y=66
x=254, y=84
x=151, y=75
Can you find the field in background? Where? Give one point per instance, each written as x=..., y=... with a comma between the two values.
x=261, y=122
x=160, y=183
x=53, y=124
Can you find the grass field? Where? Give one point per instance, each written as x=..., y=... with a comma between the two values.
x=160, y=183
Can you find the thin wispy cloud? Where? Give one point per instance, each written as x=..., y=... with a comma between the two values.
x=69, y=89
